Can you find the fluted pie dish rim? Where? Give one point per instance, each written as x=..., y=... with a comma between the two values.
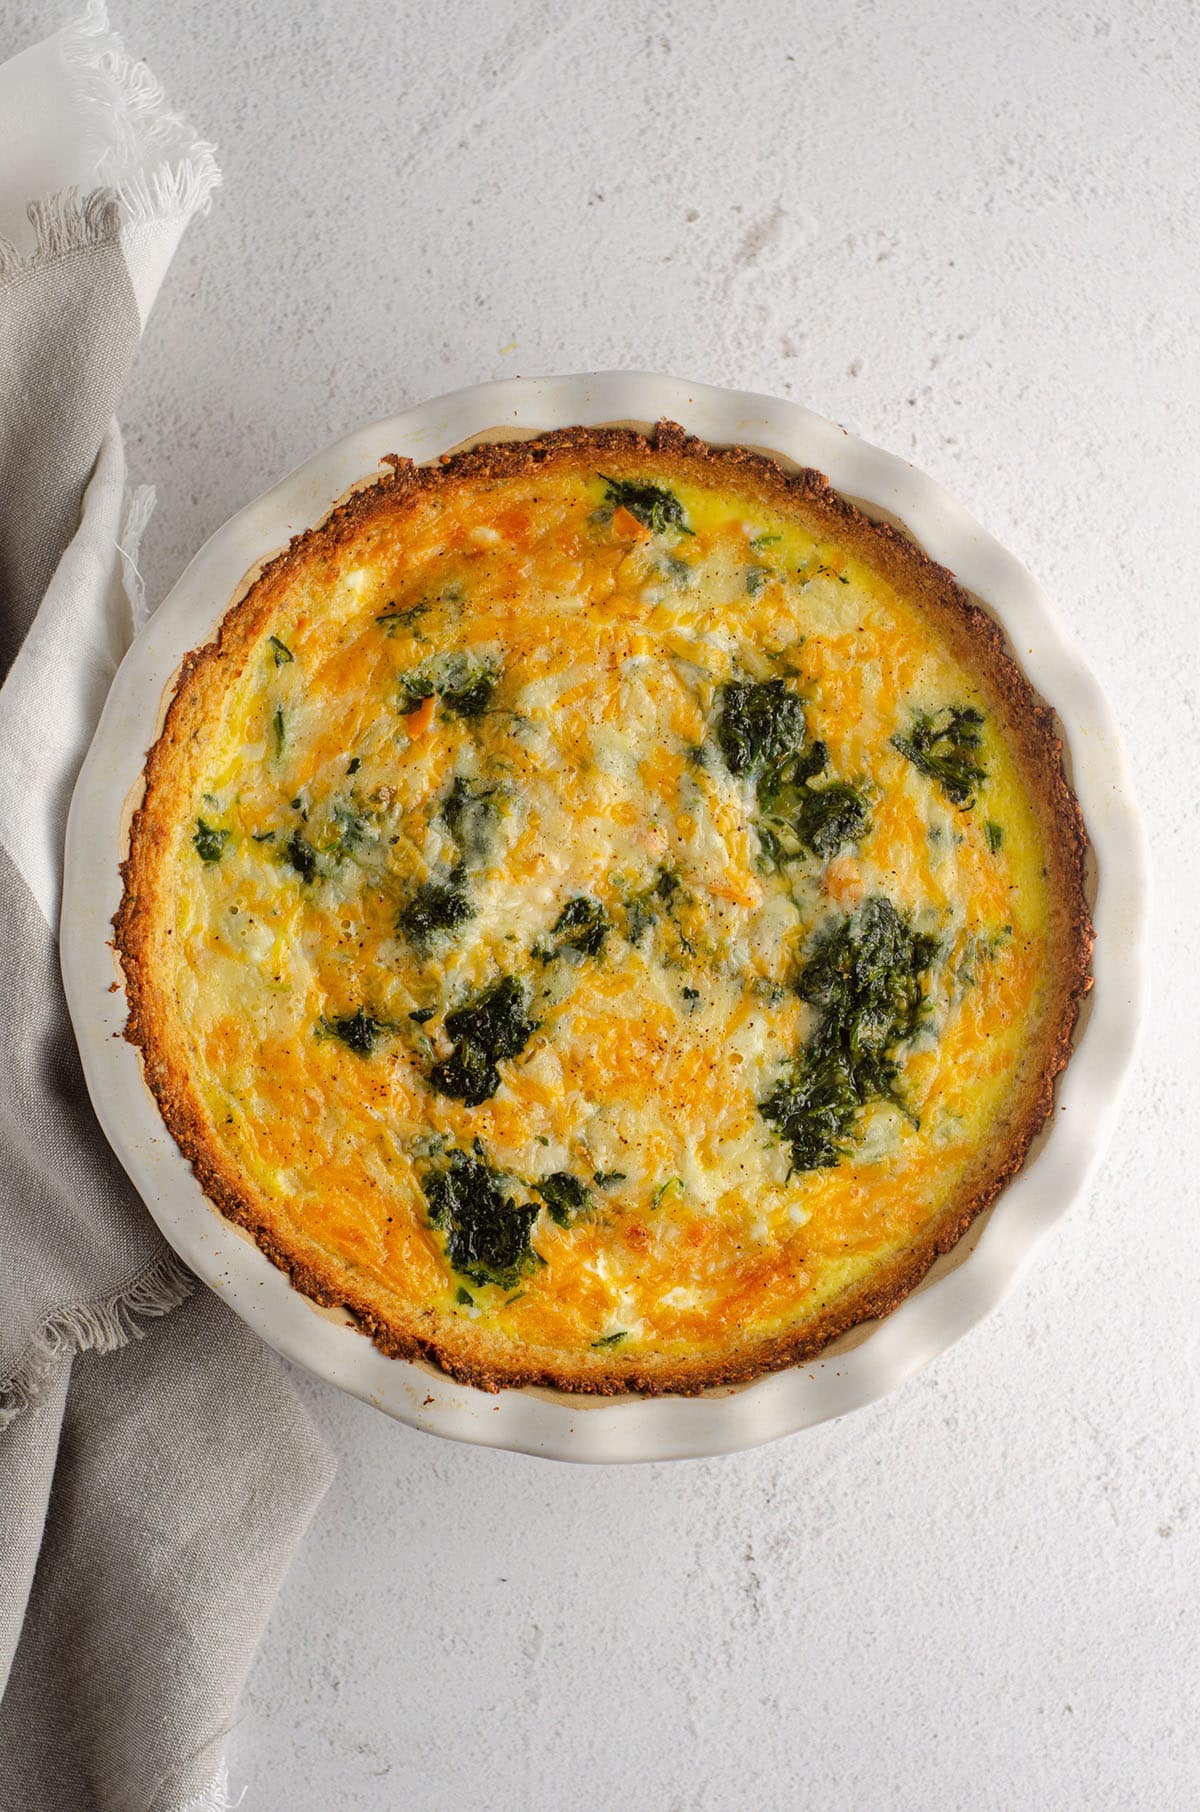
x=531, y=1418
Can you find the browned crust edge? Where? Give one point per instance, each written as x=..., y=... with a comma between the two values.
x=1031, y=727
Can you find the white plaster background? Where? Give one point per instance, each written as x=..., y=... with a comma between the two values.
x=969, y=232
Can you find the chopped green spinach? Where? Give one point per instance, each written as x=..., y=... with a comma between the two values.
x=435, y=906
x=415, y=688
x=301, y=855
x=759, y=722
x=277, y=725
x=397, y=614
x=489, y=1235
x=464, y=684
x=358, y=1030
x=581, y=926
x=467, y=687
x=351, y=824
x=209, y=842
x=656, y=508
x=679, y=572
x=470, y=814
x=795, y=816
x=944, y=745
x=979, y=947
x=761, y=730
x=486, y=1029
x=281, y=651
x=611, y=1339
x=995, y=835
x=566, y=1198
x=644, y=909
x=865, y=977
x=393, y=617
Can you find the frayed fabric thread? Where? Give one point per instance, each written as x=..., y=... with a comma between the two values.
x=64, y=223
x=96, y=1327
x=139, y=507
x=150, y=166
x=132, y=126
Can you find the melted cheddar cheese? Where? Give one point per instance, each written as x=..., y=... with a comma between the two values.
x=486, y=742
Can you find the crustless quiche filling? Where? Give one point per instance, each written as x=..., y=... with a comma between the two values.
x=604, y=913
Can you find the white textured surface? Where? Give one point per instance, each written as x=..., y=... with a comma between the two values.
x=970, y=233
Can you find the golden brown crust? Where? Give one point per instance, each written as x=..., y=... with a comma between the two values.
x=1031, y=732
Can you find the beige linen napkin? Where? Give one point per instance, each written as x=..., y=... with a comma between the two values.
x=152, y=1492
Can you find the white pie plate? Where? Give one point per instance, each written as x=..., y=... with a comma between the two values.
x=961, y=1288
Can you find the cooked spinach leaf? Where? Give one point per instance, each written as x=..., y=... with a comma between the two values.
x=611, y=1339
x=470, y=814
x=281, y=651
x=397, y=614
x=830, y=816
x=581, y=926
x=795, y=816
x=665, y=900
x=995, y=835
x=435, y=906
x=351, y=825
x=759, y=722
x=865, y=977
x=277, y=726
x=652, y=505
x=415, y=688
x=393, y=616
x=943, y=744
x=644, y=909
x=488, y=1234
x=358, y=1030
x=679, y=572
x=467, y=687
x=566, y=1198
x=208, y=842
x=761, y=730
x=301, y=855
x=464, y=684
x=979, y=947
x=486, y=1029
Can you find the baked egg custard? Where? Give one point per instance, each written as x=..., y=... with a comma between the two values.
x=604, y=913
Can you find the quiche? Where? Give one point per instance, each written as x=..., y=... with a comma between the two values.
x=604, y=913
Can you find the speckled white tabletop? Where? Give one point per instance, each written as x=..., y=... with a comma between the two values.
x=969, y=233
